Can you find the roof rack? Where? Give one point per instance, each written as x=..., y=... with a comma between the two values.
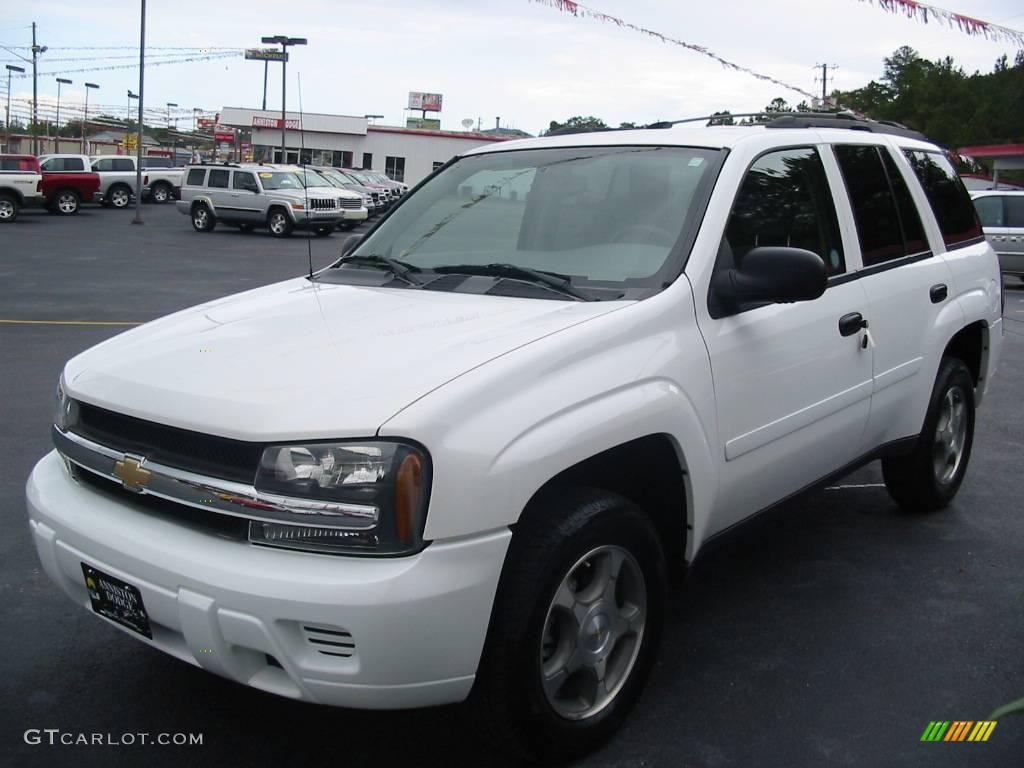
x=845, y=120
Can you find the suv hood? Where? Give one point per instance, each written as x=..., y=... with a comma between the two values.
x=301, y=360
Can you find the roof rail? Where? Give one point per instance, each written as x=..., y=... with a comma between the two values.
x=846, y=120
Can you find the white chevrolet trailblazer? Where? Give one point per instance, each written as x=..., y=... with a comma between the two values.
x=461, y=461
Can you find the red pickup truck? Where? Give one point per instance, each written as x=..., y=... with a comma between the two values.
x=67, y=181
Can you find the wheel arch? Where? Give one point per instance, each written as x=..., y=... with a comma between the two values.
x=13, y=192
x=970, y=344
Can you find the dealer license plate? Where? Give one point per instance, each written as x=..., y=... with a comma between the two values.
x=117, y=600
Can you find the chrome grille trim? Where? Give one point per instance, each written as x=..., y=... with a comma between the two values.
x=215, y=494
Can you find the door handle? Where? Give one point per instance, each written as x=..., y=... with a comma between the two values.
x=851, y=323
x=938, y=293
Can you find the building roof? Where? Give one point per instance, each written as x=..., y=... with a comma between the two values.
x=470, y=135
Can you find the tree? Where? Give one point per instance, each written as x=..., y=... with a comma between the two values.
x=577, y=124
x=778, y=104
x=722, y=118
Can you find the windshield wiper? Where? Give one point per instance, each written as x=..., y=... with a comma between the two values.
x=398, y=268
x=553, y=280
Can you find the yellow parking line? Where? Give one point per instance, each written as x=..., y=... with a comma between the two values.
x=64, y=322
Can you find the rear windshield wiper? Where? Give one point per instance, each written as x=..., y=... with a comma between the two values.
x=398, y=268
x=553, y=280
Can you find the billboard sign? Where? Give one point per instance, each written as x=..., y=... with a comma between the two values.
x=425, y=123
x=425, y=102
x=259, y=121
x=266, y=54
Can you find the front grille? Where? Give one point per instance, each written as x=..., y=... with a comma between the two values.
x=322, y=203
x=204, y=520
x=181, y=448
x=349, y=203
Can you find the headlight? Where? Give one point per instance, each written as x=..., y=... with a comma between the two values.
x=367, y=497
x=66, y=410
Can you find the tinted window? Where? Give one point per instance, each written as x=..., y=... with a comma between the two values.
x=218, y=179
x=367, y=160
x=243, y=180
x=63, y=164
x=104, y=164
x=1014, y=210
x=785, y=200
x=990, y=211
x=157, y=162
x=15, y=164
x=910, y=221
x=874, y=208
x=394, y=167
x=947, y=196
x=122, y=164
x=195, y=177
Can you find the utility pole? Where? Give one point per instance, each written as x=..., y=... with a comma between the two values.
x=37, y=50
x=824, y=82
x=266, y=64
x=138, y=146
x=11, y=69
x=85, y=119
x=284, y=42
x=60, y=81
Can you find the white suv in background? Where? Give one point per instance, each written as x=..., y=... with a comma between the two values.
x=461, y=461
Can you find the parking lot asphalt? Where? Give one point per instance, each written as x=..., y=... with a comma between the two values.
x=830, y=632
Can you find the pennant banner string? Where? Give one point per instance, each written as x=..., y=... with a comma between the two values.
x=967, y=24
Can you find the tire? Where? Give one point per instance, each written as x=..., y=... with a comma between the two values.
x=161, y=193
x=568, y=537
x=119, y=196
x=9, y=208
x=203, y=219
x=278, y=223
x=66, y=202
x=246, y=227
x=323, y=231
x=346, y=226
x=928, y=478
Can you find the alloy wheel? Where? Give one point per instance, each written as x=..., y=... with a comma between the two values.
x=950, y=435
x=67, y=202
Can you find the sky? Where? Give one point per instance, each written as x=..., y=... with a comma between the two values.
x=521, y=61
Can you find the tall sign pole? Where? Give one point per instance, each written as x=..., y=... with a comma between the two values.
x=284, y=42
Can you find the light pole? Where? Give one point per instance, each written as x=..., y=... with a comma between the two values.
x=174, y=144
x=37, y=51
x=196, y=111
x=169, y=105
x=56, y=142
x=284, y=42
x=142, y=93
x=11, y=69
x=85, y=119
x=128, y=120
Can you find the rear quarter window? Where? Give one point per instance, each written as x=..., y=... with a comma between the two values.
x=990, y=211
x=947, y=196
x=196, y=176
x=1015, y=211
x=122, y=164
x=218, y=179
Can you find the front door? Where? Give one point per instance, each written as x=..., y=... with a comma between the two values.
x=793, y=391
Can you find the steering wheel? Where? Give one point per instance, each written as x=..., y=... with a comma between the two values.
x=650, y=234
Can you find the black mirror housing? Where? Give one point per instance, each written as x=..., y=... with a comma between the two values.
x=351, y=244
x=773, y=274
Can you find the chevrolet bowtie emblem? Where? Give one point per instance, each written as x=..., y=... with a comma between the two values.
x=131, y=474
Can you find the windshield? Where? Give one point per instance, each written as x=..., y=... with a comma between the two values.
x=601, y=216
x=314, y=179
x=280, y=180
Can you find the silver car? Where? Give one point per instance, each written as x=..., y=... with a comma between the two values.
x=1002, y=217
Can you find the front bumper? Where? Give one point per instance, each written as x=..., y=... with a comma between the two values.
x=355, y=214
x=417, y=624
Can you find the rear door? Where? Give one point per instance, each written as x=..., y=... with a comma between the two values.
x=245, y=197
x=792, y=392
x=220, y=194
x=909, y=287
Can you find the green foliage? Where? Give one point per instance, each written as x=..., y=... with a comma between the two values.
x=945, y=103
x=578, y=124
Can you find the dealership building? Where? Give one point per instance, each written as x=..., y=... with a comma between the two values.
x=404, y=154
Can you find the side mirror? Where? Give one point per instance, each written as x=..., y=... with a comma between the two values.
x=772, y=273
x=351, y=244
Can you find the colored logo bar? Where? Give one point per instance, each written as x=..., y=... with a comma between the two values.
x=959, y=730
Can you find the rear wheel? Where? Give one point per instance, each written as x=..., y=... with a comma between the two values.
x=160, y=193
x=203, y=219
x=119, y=196
x=66, y=202
x=930, y=476
x=8, y=208
x=575, y=627
x=279, y=224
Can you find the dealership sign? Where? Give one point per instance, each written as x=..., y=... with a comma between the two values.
x=266, y=54
x=425, y=102
x=259, y=121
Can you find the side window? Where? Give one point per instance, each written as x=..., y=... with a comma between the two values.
x=104, y=164
x=784, y=200
x=394, y=168
x=990, y=211
x=947, y=196
x=218, y=179
x=122, y=164
x=196, y=177
x=914, y=240
x=367, y=160
x=244, y=180
x=874, y=208
x=1014, y=210
x=74, y=164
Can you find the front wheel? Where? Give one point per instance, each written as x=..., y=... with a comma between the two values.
x=160, y=193
x=119, y=196
x=928, y=478
x=576, y=625
x=203, y=219
x=279, y=224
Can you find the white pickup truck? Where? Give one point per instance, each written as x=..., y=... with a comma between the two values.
x=461, y=461
x=118, y=179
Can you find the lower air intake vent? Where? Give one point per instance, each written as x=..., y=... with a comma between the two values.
x=331, y=641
